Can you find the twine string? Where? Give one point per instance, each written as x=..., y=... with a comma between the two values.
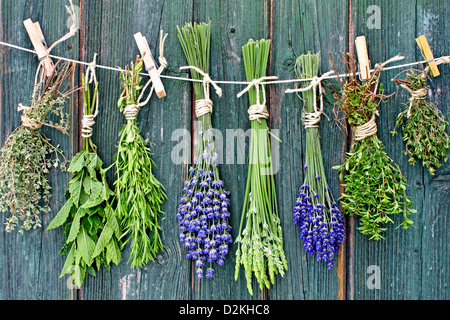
x=72, y=31
x=131, y=111
x=88, y=120
x=312, y=119
x=368, y=129
x=205, y=105
x=258, y=110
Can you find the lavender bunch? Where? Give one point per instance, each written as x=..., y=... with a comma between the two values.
x=318, y=216
x=203, y=209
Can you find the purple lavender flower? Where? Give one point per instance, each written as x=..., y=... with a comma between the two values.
x=321, y=226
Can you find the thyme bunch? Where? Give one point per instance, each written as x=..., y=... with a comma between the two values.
x=374, y=187
x=92, y=230
x=203, y=215
x=422, y=124
x=316, y=213
x=28, y=155
x=260, y=240
x=139, y=196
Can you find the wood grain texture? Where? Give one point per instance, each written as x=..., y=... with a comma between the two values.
x=413, y=264
x=406, y=257
x=30, y=262
x=306, y=30
x=229, y=33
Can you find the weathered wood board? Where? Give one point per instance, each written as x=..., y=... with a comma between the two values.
x=411, y=264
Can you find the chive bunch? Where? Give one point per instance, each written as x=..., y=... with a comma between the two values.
x=260, y=240
x=203, y=215
x=374, y=187
x=423, y=125
x=316, y=213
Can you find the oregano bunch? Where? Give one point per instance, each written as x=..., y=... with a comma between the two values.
x=28, y=155
x=139, y=196
x=91, y=229
x=422, y=124
x=374, y=188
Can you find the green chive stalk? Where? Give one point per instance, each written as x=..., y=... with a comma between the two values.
x=260, y=243
x=139, y=195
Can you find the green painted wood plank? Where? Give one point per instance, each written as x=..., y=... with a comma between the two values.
x=30, y=264
x=110, y=33
x=412, y=251
x=315, y=26
x=233, y=23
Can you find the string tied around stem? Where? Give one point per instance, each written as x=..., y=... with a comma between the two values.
x=205, y=105
x=88, y=120
x=312, y=119
x=258, y=110
x=132, y=110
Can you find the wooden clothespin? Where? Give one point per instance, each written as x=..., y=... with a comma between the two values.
x=422, y=42
x=150, y=64
x=37, y=39
x=363, y=57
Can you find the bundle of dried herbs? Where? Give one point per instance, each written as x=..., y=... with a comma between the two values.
x=423, y=125
x=374, y=187
x=260, y=241
x=28, y=154
x=316, y=213
x=92, y=231
x=139, y=196
x=203, y=215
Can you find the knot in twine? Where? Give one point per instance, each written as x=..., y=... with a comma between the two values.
x=368, y=129
x=27, y=121
x=419, y=94
x=258, y=110
x=205, y=105
x=87, y=121
x=312, y=119
x=131, y=111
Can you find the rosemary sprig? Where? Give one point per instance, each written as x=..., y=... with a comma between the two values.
x=203, y=214
x=25, y=157
x=316, y=213
x=139, y=196
x=423, y=125
x=92, y=231
x=374, y=187
x=260, y=243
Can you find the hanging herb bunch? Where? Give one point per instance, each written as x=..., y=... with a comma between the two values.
x=139, y=196
x=260, y=240
x=374, y=187
x=92, y=231
x=28, y=155
x=203, y=214
x=423, y=125
x=316, y=213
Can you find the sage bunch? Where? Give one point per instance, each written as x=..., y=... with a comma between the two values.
x=260, y=240
x=422, y=124
x=203, y=215
x=316, y=213
x=28, y=155
x=139, y=196
x=91, y=229
x=374, y=188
